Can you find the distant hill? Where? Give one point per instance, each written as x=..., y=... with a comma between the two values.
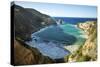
x=27, y=21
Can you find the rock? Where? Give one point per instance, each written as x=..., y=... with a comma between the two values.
x=87, y=27
x=90, y=46
x=25, y=55
x=88, y=51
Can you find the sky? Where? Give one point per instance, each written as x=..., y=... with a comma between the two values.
x=61, y=10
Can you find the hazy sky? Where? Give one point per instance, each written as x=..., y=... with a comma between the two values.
x=62, y=10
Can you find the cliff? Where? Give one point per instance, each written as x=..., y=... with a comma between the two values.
x=88, y=51
x=28, y=21
x=47, y=20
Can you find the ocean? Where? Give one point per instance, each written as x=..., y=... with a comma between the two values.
x=74, y=20
x=52, y=40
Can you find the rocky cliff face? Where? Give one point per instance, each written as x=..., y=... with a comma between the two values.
x=88, y=51
x=46, y=20
x=27, y=21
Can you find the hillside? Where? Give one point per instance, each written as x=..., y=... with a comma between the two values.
x=88, y=51
x=25, y=23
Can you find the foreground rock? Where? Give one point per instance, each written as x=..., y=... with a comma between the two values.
x=24, y=55
x=88, y=51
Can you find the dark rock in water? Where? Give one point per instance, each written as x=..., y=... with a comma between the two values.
x=27, y=21
x=24, y=55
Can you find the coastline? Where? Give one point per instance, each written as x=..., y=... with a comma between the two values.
x=88, y=51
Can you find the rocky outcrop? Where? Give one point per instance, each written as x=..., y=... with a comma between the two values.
x=90, y=46
x=25, y=55
x=87, y=27
x=27, y=21
x=88, y=51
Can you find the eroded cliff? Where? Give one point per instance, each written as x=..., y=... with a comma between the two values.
x=88, y=51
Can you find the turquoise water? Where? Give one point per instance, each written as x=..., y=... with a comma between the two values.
x=72, y=29
x=75, y=31
x=50, y=41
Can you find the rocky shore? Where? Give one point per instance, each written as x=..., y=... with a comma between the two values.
x=88, y=51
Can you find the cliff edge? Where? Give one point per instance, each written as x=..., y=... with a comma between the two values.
x=88, y=51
